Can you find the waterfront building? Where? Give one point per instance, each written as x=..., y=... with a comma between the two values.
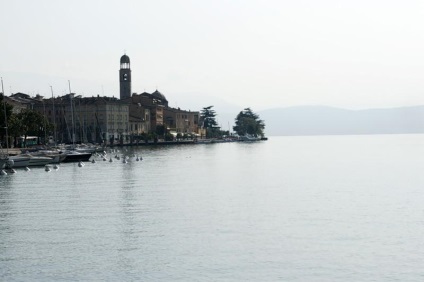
x=147, y=108
x=152, y=110
x=19, y=101
x=99, y=119
x=148, y=111
x=108, y=119
x=139, y=115
x=139, y=119
x=88, y=119
x=181, y=121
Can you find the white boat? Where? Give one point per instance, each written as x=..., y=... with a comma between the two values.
x=57, y=156
x=249, y=137
x=19, y=161
x=38, y=160
x=88, y=148
x=82, y=148
x=25, y=160
x=203, y=141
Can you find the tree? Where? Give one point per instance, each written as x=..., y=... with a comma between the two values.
x=169, y=137
x=15, y=128
x=207, y=115
x=248, y=122
x=160, y=130
x=208, y=121
x=29, y=122
x=4, y=122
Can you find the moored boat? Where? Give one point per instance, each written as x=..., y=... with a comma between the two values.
x=75, y=156
x=19, y=161
x=25, y=160
x=203, y=141
x=249, y=138
x=38, y=160
x=56, y=156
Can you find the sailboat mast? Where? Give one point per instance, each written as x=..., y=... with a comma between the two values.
x=5, y=117
x=54, y=118
x=45, y=124
x=72, y=115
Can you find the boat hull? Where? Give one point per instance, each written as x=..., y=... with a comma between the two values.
x=19, y=161
x=77, y=157
x=40, y=161
x=248, y=138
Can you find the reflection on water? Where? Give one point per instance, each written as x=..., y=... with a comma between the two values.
x=291, y=208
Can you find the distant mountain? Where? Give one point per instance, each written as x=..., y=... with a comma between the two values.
x=321, y=120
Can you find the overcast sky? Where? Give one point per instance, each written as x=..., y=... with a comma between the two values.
x=258, y=54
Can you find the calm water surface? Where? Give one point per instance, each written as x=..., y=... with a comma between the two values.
x=330, y=208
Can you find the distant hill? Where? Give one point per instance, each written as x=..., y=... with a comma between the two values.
x=321, y=120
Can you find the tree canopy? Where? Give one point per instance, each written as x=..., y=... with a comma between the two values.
x=2, y=108
x=4, y=122
x=248, y=122
x=207, y=116
x=27, y=122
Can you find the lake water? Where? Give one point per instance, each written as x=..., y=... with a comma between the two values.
x=325, y=208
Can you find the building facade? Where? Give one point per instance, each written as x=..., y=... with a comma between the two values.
x=150, y=110
x=20, y=102
x=81, y=119
x=181, y=121
x=106, y=119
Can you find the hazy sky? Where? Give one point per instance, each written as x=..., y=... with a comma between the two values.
x=259, y=54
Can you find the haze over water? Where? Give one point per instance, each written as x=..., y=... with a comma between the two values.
x=322, y=208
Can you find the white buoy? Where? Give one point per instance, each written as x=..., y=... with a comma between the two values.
x=47, y=168
x=27, y=169
x=3, y=172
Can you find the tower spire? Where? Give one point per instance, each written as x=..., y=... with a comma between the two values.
x=125, y=78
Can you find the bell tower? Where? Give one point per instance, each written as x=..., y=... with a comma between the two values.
x=125, y=78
